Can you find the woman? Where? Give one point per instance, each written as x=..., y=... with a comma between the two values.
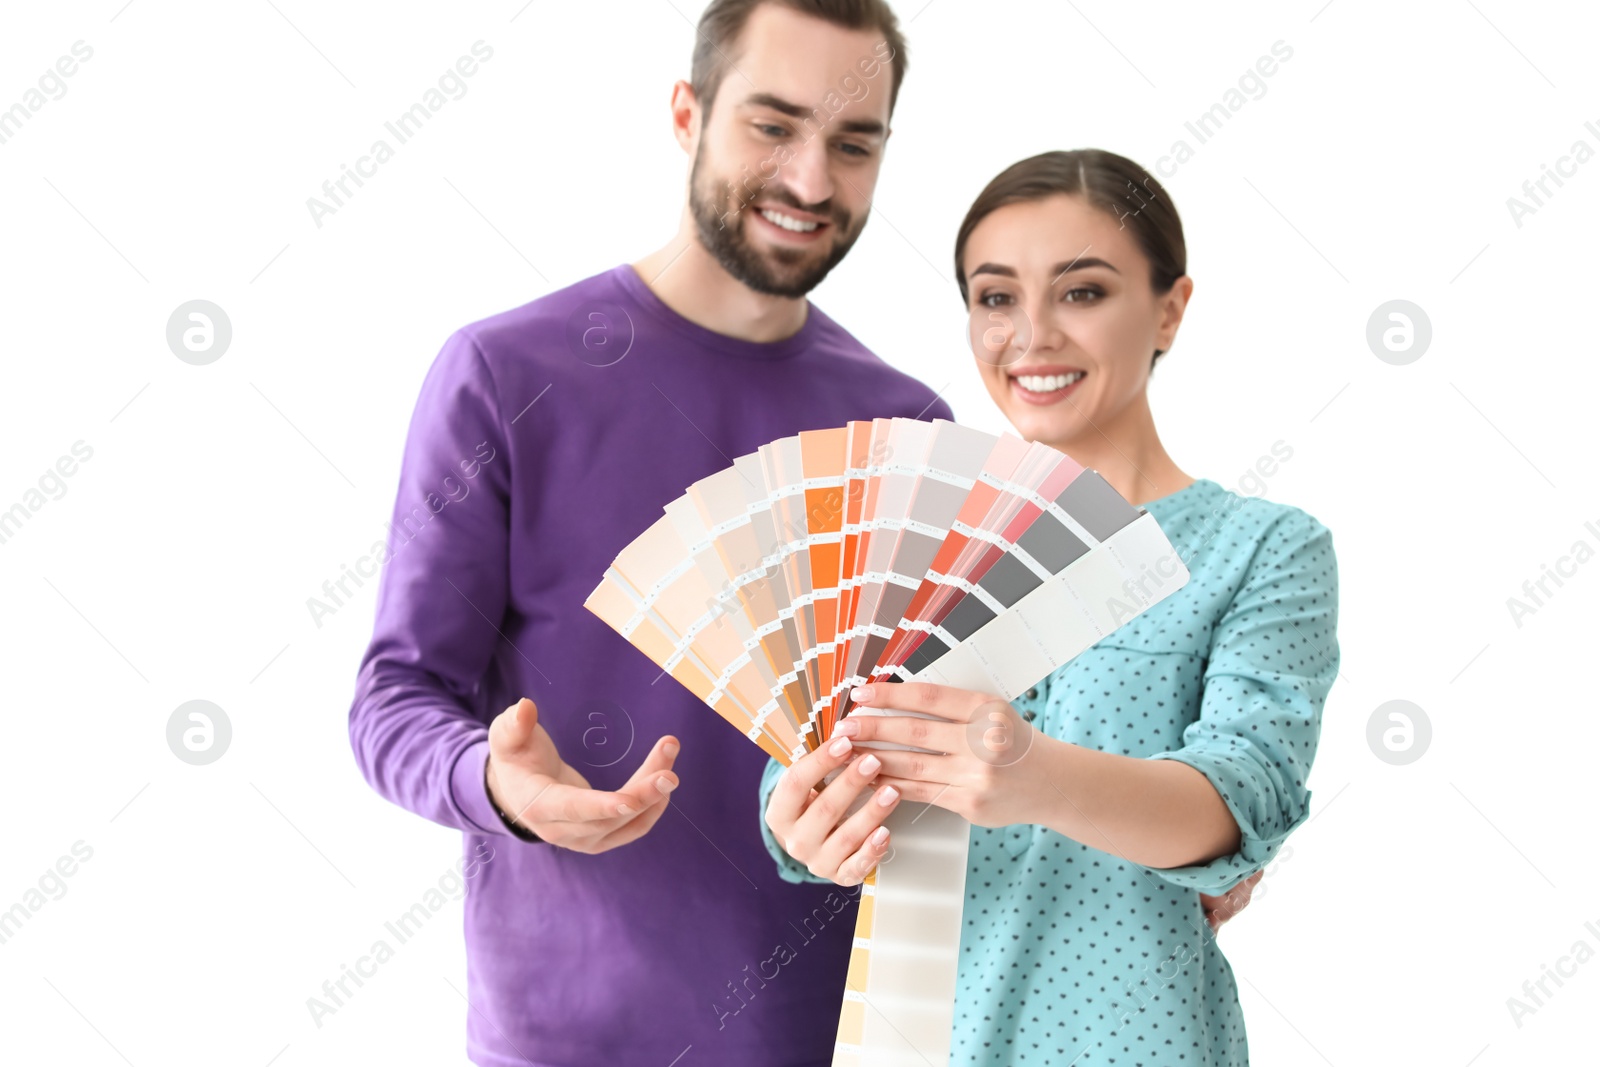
x=1170, y=757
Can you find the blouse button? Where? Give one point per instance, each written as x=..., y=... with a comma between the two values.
x=1033, y=692
x=1028, y=715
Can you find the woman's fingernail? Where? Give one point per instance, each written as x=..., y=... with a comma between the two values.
x=848, y=728
x=879, y=836
x=623, y=809
x=887, y=795
x=670, y=749
x=839, y=747
x=665, y=784
x=868, y=765
x=861, y=694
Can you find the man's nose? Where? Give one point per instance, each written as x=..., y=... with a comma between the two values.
x=806, y=174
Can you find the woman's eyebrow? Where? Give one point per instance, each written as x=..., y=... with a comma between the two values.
x=1082, y=263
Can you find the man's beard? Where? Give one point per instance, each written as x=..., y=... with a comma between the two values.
x=778, y=272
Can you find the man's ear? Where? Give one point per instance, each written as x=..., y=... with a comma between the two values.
x=685, y=116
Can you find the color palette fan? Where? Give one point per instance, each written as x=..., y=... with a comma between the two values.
x=890, y=549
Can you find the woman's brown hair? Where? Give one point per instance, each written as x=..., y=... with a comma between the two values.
x=1111, y=183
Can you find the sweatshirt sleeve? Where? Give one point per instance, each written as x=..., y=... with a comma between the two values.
x=419, y=733
x=1274, y=656
x=789, y=868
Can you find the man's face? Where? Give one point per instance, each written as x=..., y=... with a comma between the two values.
x=787, y=162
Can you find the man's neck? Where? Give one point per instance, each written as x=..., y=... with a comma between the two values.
x=691, y=282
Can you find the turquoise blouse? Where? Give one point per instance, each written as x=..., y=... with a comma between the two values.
x=1071, y=955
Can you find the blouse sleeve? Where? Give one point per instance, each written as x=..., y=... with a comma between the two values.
x=1273, y=658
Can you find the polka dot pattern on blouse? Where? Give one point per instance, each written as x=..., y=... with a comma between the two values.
x=1072, y=955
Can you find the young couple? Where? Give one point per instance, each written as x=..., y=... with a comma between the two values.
x=1168, y=763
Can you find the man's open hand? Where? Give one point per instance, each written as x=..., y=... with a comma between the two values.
x=529, y=780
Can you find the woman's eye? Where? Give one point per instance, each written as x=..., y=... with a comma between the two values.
x=1079, y=296
x=994, y=299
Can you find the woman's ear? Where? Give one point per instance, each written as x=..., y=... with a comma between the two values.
x=1172, y=307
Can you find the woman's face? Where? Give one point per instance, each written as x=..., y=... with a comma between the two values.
x=1062, y=320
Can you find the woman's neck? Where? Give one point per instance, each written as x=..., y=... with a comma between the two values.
x=1128, y=454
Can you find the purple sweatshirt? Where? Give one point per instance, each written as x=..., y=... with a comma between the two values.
x=545, y=439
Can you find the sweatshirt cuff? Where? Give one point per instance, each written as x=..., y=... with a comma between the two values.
x=470, y=793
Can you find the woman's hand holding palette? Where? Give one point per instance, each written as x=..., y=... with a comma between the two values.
x=890, y=549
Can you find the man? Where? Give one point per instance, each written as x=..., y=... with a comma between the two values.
x=606, y=929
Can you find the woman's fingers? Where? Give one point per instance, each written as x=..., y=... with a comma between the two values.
x=804, y=838
x=842, y=849
x=946, y=702
x=912, y=730
x=797, y=786
x=854, y=870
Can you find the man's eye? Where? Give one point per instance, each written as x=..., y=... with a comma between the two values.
x=771, y=130
x=853, y=150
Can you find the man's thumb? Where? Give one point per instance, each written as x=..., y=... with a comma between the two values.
x=523, y=716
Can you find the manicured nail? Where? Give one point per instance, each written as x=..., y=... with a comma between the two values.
x=670, y=749
x=848, y=728
x=868, y=765
x=839, y=747
x=665, y=784
x=879, y=836
x=861, y=694
x=887, y=795
x=623, y=809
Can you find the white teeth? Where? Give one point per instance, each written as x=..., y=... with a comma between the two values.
x=1039, y=383
x=778, y=219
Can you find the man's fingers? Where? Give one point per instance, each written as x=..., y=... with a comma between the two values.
x=653, y=771
x=515, y=725
x=634, y=828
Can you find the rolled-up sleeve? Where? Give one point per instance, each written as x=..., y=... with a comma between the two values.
x=789, y=868
x=1273, y=658
x=417, y=728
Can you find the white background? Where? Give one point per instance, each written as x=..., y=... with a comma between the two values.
x=1376, y=166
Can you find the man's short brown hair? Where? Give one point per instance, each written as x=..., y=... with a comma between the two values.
x=724, y=20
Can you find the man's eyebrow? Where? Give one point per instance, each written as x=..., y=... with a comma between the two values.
x=797, y=111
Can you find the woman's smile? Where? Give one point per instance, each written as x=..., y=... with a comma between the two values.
x=1044, y=385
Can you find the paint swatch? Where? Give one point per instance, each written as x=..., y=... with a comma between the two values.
x=889, y=549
